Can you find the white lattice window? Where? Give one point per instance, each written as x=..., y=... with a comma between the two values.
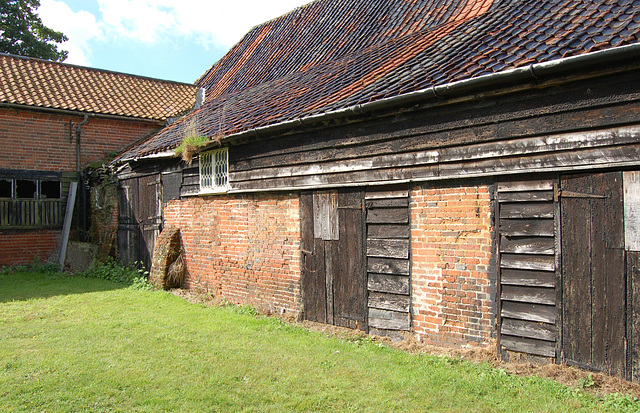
x=214, y=171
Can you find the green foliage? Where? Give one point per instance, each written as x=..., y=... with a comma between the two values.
x=111, y=270
x=189, y=146
x=35, y=266
x=22, y=32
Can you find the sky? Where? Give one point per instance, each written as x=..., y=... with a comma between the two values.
x=166, y=39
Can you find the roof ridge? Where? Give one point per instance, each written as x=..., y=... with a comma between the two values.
x=92, y=69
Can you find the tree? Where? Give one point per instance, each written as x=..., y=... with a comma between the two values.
x=22, y=32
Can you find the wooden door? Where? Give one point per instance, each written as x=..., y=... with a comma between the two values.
x=593, y=272
x=333, y=263
x=139, y=218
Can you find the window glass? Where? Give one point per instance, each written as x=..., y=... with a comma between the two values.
x=5, y=188
x=50, y=189
x=25, y=189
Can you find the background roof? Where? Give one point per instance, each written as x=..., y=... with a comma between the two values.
x=45, y=84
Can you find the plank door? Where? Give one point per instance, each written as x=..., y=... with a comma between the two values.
x=593, y=272
x=139, y=218
x=333, y=264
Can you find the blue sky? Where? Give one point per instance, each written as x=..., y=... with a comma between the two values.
x=167, y=39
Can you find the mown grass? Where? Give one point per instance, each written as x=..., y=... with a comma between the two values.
x=77, y=344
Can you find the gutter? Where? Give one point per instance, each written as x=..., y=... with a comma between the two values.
x=534, y=72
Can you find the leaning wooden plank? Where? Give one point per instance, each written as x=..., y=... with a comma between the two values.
x=539, y=196
x=528, y=262
x=388, y=266
x=511, y=276
x=388, y=284
x=531, y=185
x=528, y=245
x=529, y=329
x=535, y=295
x=388, y=248
x=527, y=210
x=388, y=231
x=528, y=345
x=527, y=227
x=393, y=302
x=388, y=216
x=389, y=320
x=530, y=312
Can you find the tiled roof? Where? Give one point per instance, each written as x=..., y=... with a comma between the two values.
x=46, y=84
x=333, y=54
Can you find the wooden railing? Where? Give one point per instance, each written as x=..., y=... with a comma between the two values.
x=30, y=213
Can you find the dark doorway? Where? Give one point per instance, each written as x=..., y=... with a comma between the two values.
x=593, y=272
x=333, y=263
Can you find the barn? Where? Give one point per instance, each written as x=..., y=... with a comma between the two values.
x=467, y=172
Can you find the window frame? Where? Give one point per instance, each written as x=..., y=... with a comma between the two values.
x=211, y=179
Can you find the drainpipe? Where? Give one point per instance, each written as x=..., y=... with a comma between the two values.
x=83, y=190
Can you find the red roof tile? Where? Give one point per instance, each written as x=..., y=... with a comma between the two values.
x=46, y=84
x=333, y=54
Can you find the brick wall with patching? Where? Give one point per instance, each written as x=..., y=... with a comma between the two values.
x=243, y=248
x=453, y=278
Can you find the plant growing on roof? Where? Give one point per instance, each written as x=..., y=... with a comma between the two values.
x=191, y=142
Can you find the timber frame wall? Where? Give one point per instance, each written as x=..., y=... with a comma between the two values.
x=516, y=138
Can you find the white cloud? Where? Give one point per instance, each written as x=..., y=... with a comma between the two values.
x=209, y=23
x=80, y=27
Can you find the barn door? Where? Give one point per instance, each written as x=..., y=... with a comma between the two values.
x=139, y=218
x=333, y=265
x=593, y=272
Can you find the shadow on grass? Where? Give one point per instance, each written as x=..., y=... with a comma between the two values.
x=21, y=286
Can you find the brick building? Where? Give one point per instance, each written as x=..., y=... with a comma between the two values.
x=55, y=120
x=465, y=171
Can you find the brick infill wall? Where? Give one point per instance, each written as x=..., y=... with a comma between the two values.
x=243, y=248
x=452, y=282
x=27, y=246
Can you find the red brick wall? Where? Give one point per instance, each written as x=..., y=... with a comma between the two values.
x=452, y=273
x=24, y=247
x=244, y=248
x=33, y=140
x=39, y=141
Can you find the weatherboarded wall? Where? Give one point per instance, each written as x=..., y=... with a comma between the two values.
x=243, y=248
x=453, y=277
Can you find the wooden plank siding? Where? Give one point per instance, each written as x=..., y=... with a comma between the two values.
x=564, y=127
x=388, y=253
x=527, y=279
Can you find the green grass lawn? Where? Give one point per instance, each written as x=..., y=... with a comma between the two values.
x=78, y=344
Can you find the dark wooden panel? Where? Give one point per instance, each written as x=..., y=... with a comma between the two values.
x=529, y=329
x=528, y=245
x=527, y=277
x=387, y=203
x=388, y=266
x=530, y=312
x=536, y=295
x=526, y=227
x=389, y=320
x=388, y=248
x=314, y=292
x=171, y=186
x=393, y=302
x=529, y=346
x=576, y=271
x=393, y=284
x=388, y=231
x=388, y=216
x=540, y=196
x=527, y=210
x=350, y=279
x=528, y=262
